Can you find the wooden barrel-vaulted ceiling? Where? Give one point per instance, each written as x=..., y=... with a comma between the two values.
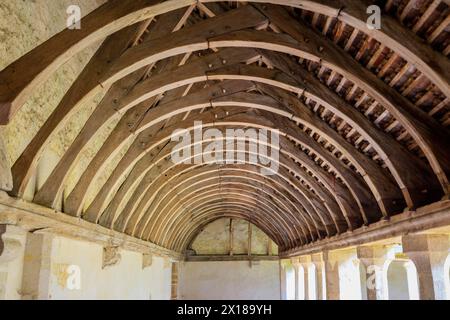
x=363, y=114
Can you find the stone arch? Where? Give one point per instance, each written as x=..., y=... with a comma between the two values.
x=400, y=280
x=290, y=282
x=447, y=277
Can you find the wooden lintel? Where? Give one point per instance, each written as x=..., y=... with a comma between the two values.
x=432, y=216
x=32, y=216
x=232, y=258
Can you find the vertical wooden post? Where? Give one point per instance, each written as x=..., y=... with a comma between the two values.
x=249, y=250
x=174, y=282
x=231, y=237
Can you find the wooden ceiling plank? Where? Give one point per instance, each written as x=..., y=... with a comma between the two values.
x=103, y=112
x=110, y=50
x=429, y=135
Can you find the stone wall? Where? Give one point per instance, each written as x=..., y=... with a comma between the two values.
x=25, y=25
x=214, y=239
x=44, y=266
x=235, y=280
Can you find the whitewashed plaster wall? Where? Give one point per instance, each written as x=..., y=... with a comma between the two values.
x=25, y=25
x=126, y=280
x=40, y=268
x=349, y=275
x=224, y=280
x=214, y=239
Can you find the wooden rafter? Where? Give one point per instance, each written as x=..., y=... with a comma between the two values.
x=362, y=115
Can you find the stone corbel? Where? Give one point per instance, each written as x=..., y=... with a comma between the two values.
x=147, y=260
x=167, y=263
x=317, y=260
x=111, y=257
x=12, y=245
x=285, y=263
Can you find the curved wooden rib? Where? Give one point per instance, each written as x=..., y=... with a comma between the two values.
x=82, y=89
x=162, y=178
x=315, y=209
x=295, y=211
x=215, y=76
x=224, y=188
x=284, y=223
x=183, y=242
x=290, y=221
x=417, y=189
x=307, y=51
x=214, y=213
x=160, y=140
x=236, y=188
x=132, y=157
x=263, y=103
x=104, y=111
x=433, y=139
x=20, y=78
x=163, y=170
x=225, y=203
x=240, y=72
x=143, y=175
x=311, y=218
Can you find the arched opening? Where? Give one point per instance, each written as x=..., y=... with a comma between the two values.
x=290, y=283
x=352, y=122
x=401, y=281
x=312, y=282
x=301, y=288
x=447, y=277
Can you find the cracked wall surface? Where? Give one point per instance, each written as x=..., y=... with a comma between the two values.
x=214, y=239
x=24, y=25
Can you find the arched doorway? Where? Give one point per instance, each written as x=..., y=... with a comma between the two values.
x=400, y=278
x=312, y=282
x=290, y=283
x=447, y=277
x=301, y=291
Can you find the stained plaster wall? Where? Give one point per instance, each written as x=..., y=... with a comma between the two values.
x=23, y=26
x=46, y=267
x=214, y=239
x=223, y=280
x=126, y=280
x=230, y=279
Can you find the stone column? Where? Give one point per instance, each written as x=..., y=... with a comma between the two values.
x=373, y=259
x=283, y=293
x=37, y=267
x=296, y=266
x=428, y=252
x=305, y=262
x=11, y=262
x=331, y=269
x=317, y=260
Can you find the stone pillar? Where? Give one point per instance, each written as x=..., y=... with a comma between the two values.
x=317, y=260
x=283, y=293
x=331, y=269
x=428, y=252
x=37, y=267
x=296, y=266
x=11, y=262
x=305, y=262
x=373, y=259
